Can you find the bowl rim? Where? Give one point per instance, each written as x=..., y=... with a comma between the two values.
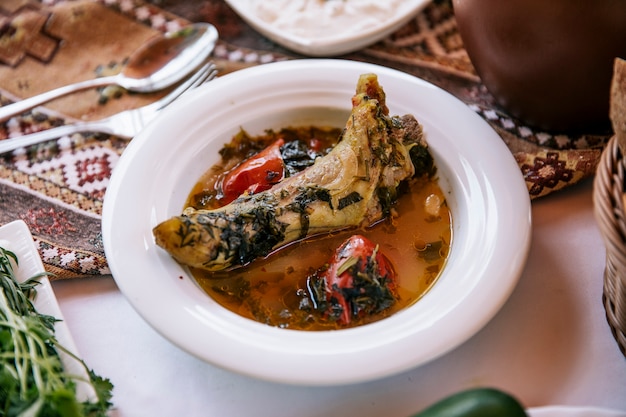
x=489, y=203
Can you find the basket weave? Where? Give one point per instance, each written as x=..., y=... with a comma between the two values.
x=608, y=199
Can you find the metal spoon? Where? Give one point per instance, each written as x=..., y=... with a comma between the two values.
x=158, y=64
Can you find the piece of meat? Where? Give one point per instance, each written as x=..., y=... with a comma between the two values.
x=355, y=184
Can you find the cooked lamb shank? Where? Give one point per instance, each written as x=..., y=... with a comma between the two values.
x=354, y=185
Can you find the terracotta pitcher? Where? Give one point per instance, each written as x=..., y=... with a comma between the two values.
x=547, y=62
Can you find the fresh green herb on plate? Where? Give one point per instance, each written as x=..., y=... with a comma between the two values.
x=33, y=381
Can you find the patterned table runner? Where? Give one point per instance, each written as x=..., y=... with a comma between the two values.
x=58, y=187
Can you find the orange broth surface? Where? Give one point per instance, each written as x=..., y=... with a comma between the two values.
x=274, y=290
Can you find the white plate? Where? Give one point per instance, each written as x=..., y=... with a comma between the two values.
x=487, y=195
x=333, y=42
x=563, y=411
x=16, y=237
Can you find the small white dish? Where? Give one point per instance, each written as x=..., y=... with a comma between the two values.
x=571, y=411
x=487, y=195
x=16, y=237
x=337, y=40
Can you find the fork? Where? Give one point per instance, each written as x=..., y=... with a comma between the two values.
x=125, y=124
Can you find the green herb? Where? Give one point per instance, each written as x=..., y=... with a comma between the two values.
x=302, y=201
x=431, y=252
x=352, y=198
x=387, y=196
x=422, y=160
x=238, y=242
x=347, y=264
x=32, y=379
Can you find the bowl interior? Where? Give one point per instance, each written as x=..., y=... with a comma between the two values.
x=485, y=191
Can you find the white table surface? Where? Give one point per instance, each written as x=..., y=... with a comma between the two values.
x=549, y=345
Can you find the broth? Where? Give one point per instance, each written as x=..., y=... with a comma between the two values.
x=275, y=290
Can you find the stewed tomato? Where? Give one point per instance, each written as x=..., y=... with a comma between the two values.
x=359, y=280
x=256, y=174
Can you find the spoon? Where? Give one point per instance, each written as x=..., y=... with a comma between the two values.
x=158, y=64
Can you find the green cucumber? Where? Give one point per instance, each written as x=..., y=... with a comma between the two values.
x=477, y=402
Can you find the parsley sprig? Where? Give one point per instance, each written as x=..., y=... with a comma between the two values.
x=33, y=382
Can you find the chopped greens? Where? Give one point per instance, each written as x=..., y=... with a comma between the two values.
x=431, y=252
x=33, y=382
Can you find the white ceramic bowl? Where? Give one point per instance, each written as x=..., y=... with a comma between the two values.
x=334, y=42
x=487, y=195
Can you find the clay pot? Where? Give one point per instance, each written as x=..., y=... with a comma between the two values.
x=547, y=62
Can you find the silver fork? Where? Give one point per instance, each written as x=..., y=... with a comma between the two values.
x=125, y=124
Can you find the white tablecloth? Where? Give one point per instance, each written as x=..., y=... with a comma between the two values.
x=549, y=345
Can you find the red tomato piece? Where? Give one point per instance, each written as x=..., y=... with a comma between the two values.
x=258, y=173
x=315, y=144
x=358, y=256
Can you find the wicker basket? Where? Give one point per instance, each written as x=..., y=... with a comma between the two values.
x=608, y=199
